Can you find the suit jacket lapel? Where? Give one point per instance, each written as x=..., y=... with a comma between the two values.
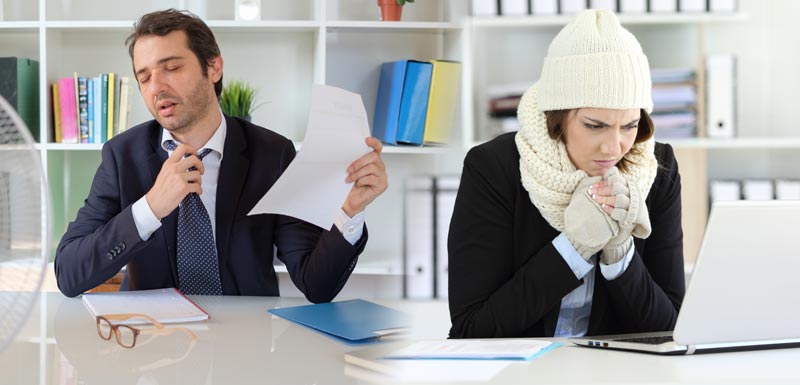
x=169, y=224
x=232, y=175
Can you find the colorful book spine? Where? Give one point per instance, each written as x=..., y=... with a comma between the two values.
x=69, y=126
x=56, y=113
x=124, y=116
x=90, y=108
x=104, y=108
x=98, y=109
x=111, y=90
x=83, y=110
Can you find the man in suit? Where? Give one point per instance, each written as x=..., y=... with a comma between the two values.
x=171, y=196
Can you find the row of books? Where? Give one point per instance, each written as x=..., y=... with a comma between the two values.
x=553, y=7
x=91, y=109
x=674, y=102
x=755, y=189
x=417, y=102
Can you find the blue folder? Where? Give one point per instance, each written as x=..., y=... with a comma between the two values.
x=353, y=322
x=414, y=102
x=387, y=104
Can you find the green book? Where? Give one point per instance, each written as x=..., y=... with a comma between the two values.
x=19, y=85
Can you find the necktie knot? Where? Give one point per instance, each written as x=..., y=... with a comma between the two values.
x=171, y=145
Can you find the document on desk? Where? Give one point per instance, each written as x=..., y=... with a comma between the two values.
x=371, y=364
x=494, y=349
x=313, y=188
x=165, y=305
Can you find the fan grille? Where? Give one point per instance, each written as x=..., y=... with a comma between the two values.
x=23, y=239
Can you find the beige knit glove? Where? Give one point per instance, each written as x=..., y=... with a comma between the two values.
x=587, y=227
x=630, y=213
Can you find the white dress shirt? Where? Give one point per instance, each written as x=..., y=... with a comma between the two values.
x=576, y=307
x=147, y=222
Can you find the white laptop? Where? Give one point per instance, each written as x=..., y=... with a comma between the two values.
x=743, y=293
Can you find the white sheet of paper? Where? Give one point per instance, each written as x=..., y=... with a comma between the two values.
x=313, y=188
x=429, y=371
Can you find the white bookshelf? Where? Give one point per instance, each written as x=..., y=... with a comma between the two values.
x=295, y=44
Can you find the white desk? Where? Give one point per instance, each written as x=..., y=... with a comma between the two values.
x=243, y=344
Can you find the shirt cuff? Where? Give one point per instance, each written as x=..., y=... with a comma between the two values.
x=614, y=270
x=351, y=228
x=146, y=222
x=576, y=263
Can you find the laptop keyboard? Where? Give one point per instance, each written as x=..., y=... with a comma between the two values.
x=647, y=340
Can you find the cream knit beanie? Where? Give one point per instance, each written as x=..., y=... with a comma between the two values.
x=594, y=62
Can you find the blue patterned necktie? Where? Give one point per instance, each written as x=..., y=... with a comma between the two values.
x=198, y=265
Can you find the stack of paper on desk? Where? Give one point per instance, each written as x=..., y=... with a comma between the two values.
x=165, y=305
x=353, y=322
x=448, y=360
x=494, y=349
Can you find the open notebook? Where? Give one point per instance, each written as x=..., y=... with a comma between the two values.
x=165, y=305
x=740, y=294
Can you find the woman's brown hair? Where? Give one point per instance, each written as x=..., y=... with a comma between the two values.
x=556, y=120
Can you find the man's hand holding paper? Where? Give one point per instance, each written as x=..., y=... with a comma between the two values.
x=324, y=177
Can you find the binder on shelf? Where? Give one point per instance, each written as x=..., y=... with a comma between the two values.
x=485, y=7
x=418, y=235
x=446, y=191
x=414, y=102
x=725, y=190
x=632, y=6
x=514, y=7
x=69, y=125
x=442, y=101
x=721, y=95
x=544, y=7
x=758, y=190
x=572, y=6
x=603, y=4
x=19, y=85
x=663, y=6
x=722, y=6
x=787, y=189
x=353, y=322
x=692, y=6
x=387, y=103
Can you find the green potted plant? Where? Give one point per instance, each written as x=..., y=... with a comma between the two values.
x=237, y=99
x=392, y=10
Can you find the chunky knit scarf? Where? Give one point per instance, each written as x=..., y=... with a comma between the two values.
x=547, y=172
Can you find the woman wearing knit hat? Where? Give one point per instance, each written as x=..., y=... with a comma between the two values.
x=542, y=235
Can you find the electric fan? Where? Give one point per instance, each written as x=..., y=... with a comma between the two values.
x=24, y=241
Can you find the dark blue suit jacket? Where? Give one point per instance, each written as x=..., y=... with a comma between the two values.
x=103, y=238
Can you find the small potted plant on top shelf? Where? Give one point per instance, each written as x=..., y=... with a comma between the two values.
x=392, y=10
x=237, y=99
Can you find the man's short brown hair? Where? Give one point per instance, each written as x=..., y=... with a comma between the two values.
x=200, y=39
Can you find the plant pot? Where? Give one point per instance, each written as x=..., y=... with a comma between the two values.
x=390, y=10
